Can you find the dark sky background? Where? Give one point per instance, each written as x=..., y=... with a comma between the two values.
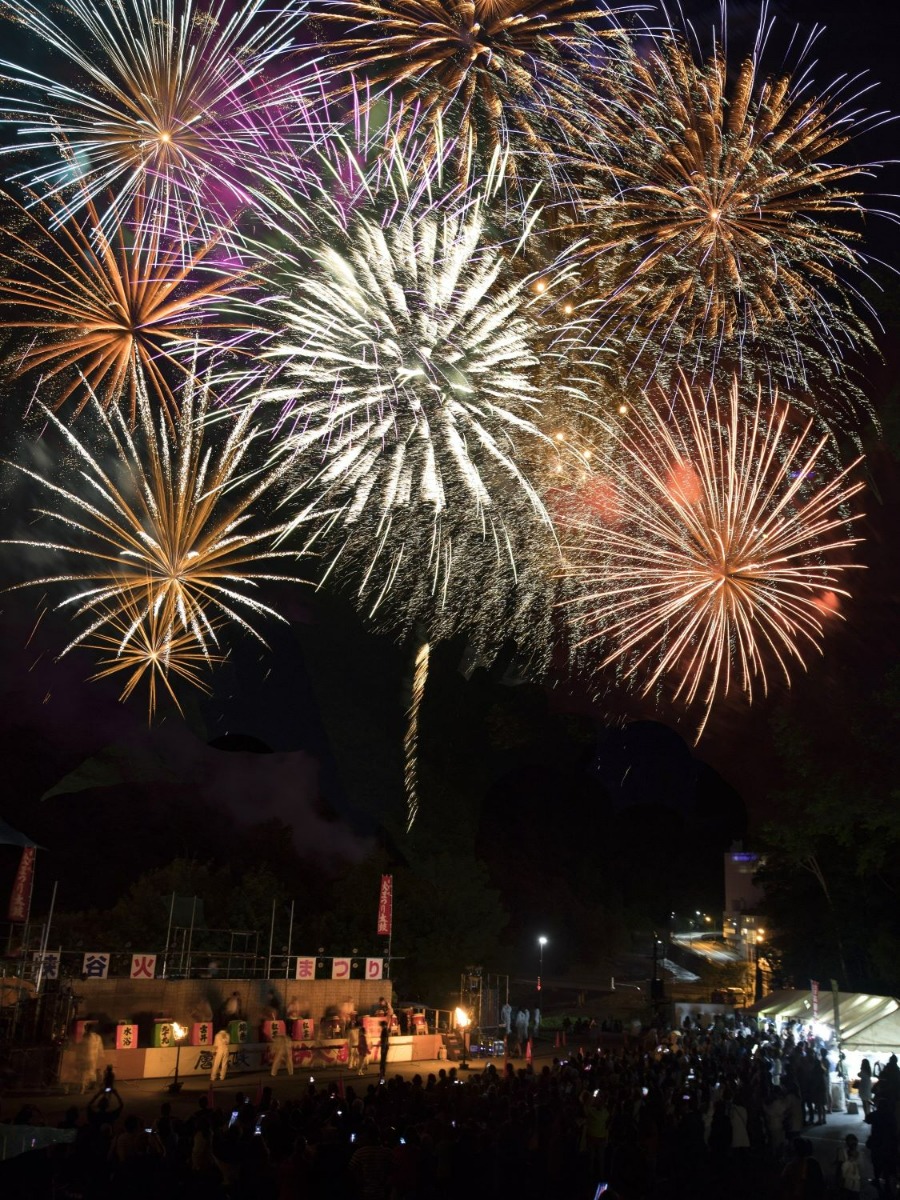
x=327, y=700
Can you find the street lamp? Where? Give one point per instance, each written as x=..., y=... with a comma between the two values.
x=179, y=1033
x=757, y=975
x=542, y=942
x=462, y=1024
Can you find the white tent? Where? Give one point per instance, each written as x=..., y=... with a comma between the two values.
x=878, y=1041
x=858, y=1010
x=870, y=1025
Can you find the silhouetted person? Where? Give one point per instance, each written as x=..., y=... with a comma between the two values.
x=383, y=1043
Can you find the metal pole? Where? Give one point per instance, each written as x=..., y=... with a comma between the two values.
x=38, y=983
x=271, y=939
x=287, y=963
x=165, y=970
x=842, y=1072
x=45, y=939
x=191, y=934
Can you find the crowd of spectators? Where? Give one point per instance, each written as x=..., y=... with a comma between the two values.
x=697, y=1114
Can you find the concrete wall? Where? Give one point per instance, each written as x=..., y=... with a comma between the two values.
x=109, y=1001
x=149, y=1063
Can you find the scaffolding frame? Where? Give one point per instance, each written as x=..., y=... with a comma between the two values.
x=479, y=995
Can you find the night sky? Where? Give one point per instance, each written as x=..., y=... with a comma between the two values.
x=310, y=731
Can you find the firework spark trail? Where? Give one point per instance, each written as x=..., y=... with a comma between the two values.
x=145, y=645
x=171, y=530
x=718, y=550
x=716, y=208
x=355, y=155
x=170, y=97
x=501, y=74
x=111, y=310
x=411, y=737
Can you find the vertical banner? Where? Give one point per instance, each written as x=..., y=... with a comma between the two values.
x=814, y=988
x=385, y=905
x=20, y=896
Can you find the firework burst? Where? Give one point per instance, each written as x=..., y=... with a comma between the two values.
x=148, y=649
x=109, y=310
x=168, y=541
x=168, y=96
x=726, y=534
x=715, y=209
x=408, y=397
x=501, y=75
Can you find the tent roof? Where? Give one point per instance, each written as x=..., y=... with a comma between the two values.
x=882, y=1035
x=858, y=1010
x=12, y=837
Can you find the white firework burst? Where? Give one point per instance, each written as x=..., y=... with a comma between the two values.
x=409, y=395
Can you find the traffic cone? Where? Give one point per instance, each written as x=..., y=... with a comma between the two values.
x=528, y=1058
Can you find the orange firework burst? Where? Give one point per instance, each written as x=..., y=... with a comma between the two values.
x=105, y=309
x=500, y=74
x=713, y=203
x=733, y=540
x=145, y=645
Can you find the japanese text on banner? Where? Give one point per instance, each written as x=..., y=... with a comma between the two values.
x=385, y=905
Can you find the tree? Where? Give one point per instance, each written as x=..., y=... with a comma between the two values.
x=832, y=859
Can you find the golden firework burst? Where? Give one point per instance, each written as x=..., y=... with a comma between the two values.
x=172, y=526
x=500, y=74
x=146, y=647
x=108, y=309
x=714, y=202
x=726, y=532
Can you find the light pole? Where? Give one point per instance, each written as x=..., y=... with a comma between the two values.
x=757, y=972
x=542, y=942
